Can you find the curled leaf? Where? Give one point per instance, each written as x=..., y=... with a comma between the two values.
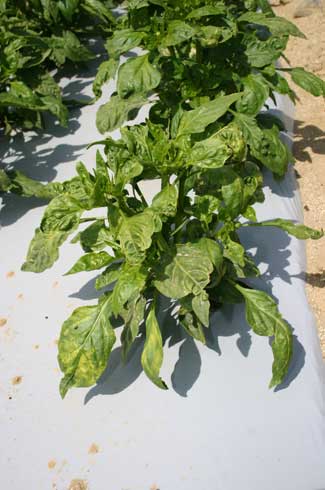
x=90, y=262
x=263, y=316
x=299, y=231
x=152, y=355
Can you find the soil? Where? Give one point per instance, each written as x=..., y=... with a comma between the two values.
x=309, y=148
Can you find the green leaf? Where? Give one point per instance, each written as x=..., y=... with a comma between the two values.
x=127, y=171
x=265, y=144
x=265, y=6
x=85, y=344
x=110, y=275
x=62, y=214
x=212, y=152
x=192, y=325
x=233, y=196
x=277, y=25
x=5, y=182
x=177, y=32
x=20, y=95
x=189, y=320
x=130, y=284
x=197, y=120
x=68, y=46
x=19, y=183
x=251, y=131
x=308, y=81
x=123, y=41
x=204, y=208
x=299, y=231
x=114, y=113
x=106, y=71
x=43, y=250
x=152, y=354
x=201, y=307
x=91, y=262
x=186, y=272
x=261, y=53
x=261, y=311
x=250, y=214
x=256, y=92
x=46, y=85
x=263, y=316
x=282, y=352
x=234, y=252
x=206, y=11
x=56, y=107
x=73, y=48
x=86, y=179
x=135, y=234
x=212, y=36
x=100, y=9
x=214, y=252
x=137, y=76
x=95, y=237
x=68, y=8
x=133, y=318
x=165, y=202
x=272, y=152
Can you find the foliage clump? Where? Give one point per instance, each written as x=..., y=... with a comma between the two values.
x=36, y=38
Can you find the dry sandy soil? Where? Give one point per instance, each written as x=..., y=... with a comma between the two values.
x=309, y=148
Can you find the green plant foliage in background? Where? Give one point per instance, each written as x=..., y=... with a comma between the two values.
x=37, y=37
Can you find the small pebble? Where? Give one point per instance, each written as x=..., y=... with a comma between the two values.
x=78, y=485
x=94, y=449
x=16, y=380
x=51, y=464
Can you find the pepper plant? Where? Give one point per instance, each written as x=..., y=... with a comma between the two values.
x=207, y=71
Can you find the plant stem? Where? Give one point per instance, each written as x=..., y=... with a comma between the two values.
x=180, y=207
x=198, y=48
x=85, y=220
x=143, y=199
x=163, y=245
x=180, y=226
x=164, y=180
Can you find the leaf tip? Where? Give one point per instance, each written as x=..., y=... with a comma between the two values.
x=162, y=384
x=64, y=387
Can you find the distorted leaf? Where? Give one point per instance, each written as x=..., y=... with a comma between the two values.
x=90, y=262
x=85, y=343
x=152, y=354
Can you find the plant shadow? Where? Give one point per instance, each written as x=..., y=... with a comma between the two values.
x=310, y=137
